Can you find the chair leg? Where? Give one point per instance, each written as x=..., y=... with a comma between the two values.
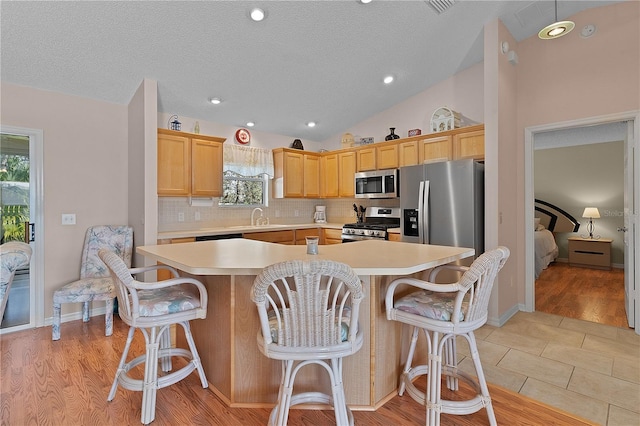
x=123, y=360
x=85, y=311
x=451, y=360
x=281, y=410
x=150, y=386
x=433, y=400
x=339, y=400
x=194, y=353
x=486, y=398
x=108, y=318
x=55, y=328
x=165, y=343
x=407, y=365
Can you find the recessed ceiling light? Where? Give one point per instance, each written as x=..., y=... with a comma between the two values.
x=250, y=124
x=257, y=14
x=365, y=1
x=388, y=79
x=311, y=124
x=215, y=101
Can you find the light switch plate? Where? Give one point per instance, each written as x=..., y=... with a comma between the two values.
x=68, y=219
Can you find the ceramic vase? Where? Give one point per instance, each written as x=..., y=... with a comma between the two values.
x=391, y=136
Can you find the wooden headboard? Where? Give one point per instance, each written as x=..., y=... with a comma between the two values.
x=554, y=218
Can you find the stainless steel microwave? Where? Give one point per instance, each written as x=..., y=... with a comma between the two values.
x=378, y=184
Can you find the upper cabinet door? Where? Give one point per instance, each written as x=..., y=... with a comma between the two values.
x=366, y=159
x=408, y=154
x=469, y=145
x=387, y=157
x=436, y=149
x=311, y=176
x=347, y=174
x=206, y=165
x=174, y=170
x=329, y=175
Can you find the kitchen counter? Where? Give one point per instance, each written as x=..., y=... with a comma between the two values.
x=250, y=257
x=236, y=370
x=241, y=229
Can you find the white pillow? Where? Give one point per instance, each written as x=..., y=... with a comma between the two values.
x=536, y=222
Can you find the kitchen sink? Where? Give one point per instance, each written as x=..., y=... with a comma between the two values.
x=270, y=226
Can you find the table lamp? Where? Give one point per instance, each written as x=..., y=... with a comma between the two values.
x=591, y=213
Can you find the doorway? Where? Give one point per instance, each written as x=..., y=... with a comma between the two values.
x=631, y=120
x=21, y=220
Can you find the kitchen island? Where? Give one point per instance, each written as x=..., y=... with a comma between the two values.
x=226, y=339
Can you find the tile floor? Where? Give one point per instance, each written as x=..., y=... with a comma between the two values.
x=588, y=369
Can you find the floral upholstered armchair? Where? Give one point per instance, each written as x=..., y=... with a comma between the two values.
x=13, y=256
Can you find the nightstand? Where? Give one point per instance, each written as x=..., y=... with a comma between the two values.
x=590, y=253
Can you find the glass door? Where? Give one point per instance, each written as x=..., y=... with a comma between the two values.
x=15, y=222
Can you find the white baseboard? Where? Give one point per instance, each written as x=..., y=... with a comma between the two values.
x=73, y=316
x=499, y=322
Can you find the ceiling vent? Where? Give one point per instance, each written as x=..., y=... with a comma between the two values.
x=440, y=6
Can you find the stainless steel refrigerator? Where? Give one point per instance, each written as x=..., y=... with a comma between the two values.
x=443, y=203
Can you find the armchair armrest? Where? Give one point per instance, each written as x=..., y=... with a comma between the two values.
x=202, y=291
x=142, y=269
x=414, y=282
x=435, y=271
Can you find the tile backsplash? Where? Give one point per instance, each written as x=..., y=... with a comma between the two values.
x=286, y=211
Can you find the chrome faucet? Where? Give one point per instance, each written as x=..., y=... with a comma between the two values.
x=253, y=212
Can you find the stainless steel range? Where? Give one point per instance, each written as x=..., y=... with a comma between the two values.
x=377, y=221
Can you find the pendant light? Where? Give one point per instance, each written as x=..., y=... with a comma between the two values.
x=557, y=29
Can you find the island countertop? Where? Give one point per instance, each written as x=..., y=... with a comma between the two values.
x=226, y=339
x=249, y=257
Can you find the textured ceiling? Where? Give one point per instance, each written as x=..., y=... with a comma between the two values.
x=319, y=61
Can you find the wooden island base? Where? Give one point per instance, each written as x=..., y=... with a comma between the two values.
x=226, y=339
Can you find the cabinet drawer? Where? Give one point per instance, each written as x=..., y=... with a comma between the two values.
x=594, y=253
x=301, y=235
x=333, y=236
x=282, y=237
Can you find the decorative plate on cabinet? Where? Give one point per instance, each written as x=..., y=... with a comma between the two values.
x=243, y=136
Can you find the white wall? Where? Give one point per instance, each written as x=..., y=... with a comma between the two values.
x=85, y=171
x=462, y=92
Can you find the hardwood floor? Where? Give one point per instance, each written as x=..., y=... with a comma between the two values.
x=582, y=293
x=66, y=383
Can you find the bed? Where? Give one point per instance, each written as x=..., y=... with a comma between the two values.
x=548, y=220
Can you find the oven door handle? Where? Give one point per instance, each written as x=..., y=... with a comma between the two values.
x=349, y=238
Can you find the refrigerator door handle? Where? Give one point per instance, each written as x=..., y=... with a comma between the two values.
x=424, y=205
x=420, y=215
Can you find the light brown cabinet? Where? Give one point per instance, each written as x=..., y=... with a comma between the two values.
x=387, y=156
x=408, y=153
x=346, y=174
x=437, y=148
x=366, y=159
x=280, y=237
x=289, y=173
x=311, y=176
x=468, y=145
x=332, y=236
x=302, y=234
x=300, y=174
x=297, y=174
x=590, y=253
x=329, y=176
x=395, y=236
x=189, y=164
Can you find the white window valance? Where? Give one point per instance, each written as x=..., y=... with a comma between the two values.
x=247, y=160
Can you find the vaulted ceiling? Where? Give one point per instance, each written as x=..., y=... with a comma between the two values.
x=320, y=61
